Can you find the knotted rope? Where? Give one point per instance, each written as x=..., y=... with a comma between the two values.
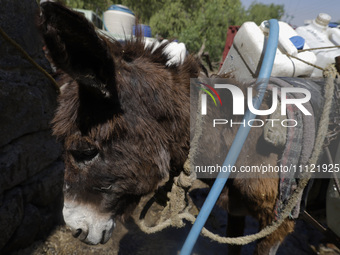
x=177, y=208
x=176, y=220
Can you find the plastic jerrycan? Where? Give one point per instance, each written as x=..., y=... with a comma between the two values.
x=245, y=56
x=317, y=34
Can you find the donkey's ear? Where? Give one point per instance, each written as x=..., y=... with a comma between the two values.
x=76, y=48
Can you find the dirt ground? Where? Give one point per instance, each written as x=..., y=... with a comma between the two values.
x=128, y=239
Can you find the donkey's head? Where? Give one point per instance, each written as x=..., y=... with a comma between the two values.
x=124, y=120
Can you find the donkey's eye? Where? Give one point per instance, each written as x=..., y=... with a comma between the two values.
x=85, y=155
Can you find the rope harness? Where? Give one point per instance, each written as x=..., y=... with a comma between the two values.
x=177, y=208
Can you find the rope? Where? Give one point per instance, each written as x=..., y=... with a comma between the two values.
x=320, y=48
x=311, y=49
x=177, y=220
x=25, y=54
x=177, y=209
x=306, y=62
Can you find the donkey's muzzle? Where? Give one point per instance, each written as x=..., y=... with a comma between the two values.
x=87, y=224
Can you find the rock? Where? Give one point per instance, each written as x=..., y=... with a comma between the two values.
x=32, y=221
x=24, y=108
x=44, y=188
x=11, y=215
x=26, y=95
x=23, y=30
x=25, y=157
x=31, y=172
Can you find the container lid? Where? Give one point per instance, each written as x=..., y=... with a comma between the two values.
x=122, y=8
x=298, y=41
x=323, y=19
x=333, y=24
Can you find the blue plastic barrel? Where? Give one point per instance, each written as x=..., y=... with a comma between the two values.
x=142, y=29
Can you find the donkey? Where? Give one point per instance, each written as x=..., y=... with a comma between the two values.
x=124, y=123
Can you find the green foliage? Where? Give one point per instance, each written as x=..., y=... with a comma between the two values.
x=171, y=20
x=210, y=24
x=143, y=9
x=190, y=21
x=258, y=12
x=98, y=6
x=195, y=22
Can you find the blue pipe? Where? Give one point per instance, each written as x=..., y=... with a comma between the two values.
x=236, y=147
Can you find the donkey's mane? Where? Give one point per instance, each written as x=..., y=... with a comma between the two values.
x=134, y=48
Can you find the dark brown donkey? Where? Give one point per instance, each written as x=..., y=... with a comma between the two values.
x=124, y=122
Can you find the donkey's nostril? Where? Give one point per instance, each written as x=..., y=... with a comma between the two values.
x=80, y=233
x=102, y=241
x=83, y=234
x=77, y=232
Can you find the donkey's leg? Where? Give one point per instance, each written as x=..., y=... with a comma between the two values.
x=231, y=200
x=270, y=244
x=260, y=195
x=264, y=212
x=235, y=228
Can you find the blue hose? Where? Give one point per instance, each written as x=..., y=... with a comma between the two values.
x=236, y=147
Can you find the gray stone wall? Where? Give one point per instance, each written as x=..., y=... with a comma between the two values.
x=31, y=171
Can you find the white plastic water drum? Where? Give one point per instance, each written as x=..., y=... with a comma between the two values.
x=317, y=34
x=245, y=56
x=119, y=20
